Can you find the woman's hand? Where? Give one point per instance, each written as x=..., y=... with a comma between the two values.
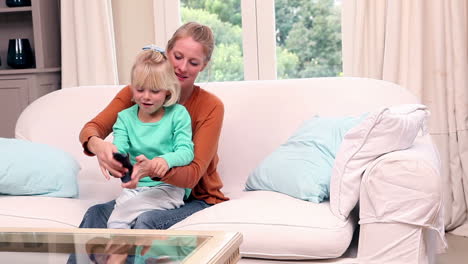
x=104, y=152
x=143, y=167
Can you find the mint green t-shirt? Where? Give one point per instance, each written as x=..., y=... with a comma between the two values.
x=170, y=138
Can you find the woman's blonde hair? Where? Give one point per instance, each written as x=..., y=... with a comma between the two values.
x=152, y=70
x=199, y=32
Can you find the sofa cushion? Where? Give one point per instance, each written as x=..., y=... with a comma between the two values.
x=277, y=226
x=386, y=130
x=301, y=167
x=42, y=211
x=29, y=168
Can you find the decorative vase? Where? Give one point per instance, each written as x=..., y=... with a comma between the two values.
x=20, y=54
x=18, y=3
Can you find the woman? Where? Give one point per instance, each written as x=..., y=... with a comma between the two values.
x=189, y=50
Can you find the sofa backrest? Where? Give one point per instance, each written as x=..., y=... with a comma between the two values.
x=259, y=116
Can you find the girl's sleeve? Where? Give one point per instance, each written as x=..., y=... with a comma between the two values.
x=205, y=139
x=121, y=135
x=101, y=125
x=183, y=145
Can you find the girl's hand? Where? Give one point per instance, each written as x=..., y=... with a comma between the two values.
x=160, y=167
x=104, y=152
x=143, y=167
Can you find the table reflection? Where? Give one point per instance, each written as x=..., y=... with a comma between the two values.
x=124, y=249
x=105, y=248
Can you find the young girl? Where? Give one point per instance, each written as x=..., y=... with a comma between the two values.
x=157, y=128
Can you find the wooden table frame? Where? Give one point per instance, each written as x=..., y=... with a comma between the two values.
x=220, y=247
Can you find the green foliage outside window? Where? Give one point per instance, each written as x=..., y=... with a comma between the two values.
x=308, y=35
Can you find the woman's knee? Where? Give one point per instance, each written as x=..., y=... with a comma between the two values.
x=151, y=220
x=163, y=219
x=97, y=215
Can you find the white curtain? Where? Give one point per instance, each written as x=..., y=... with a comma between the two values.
x=423, y=46
x=88, y=43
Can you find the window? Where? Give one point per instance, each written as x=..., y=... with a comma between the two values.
x=308, y=38
x=224, y=18
x=267, y=39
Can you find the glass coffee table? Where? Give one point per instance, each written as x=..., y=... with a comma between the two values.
x=81, y=245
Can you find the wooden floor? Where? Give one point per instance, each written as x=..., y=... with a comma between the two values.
x=457, y=252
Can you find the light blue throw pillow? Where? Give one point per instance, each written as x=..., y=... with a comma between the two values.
x=28, y=168
x=302, y=166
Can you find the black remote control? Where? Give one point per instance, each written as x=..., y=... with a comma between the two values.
x=125, y=160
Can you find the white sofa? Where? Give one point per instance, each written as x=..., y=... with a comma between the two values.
x=259, y=116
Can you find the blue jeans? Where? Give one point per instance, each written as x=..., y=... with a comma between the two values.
x=97, y=215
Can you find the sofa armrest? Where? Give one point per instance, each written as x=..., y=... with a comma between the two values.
x=404, y=188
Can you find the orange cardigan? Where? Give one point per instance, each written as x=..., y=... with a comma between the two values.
x=207, y=112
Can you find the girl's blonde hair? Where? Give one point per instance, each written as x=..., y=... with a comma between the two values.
x=152, y=70
x=199, y=32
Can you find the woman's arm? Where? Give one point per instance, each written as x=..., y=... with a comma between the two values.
x=96, y=130
x=205, y=138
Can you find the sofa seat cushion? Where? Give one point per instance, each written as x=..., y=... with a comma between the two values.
x=42, y=212
x=277, y=226
x=54, y=212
